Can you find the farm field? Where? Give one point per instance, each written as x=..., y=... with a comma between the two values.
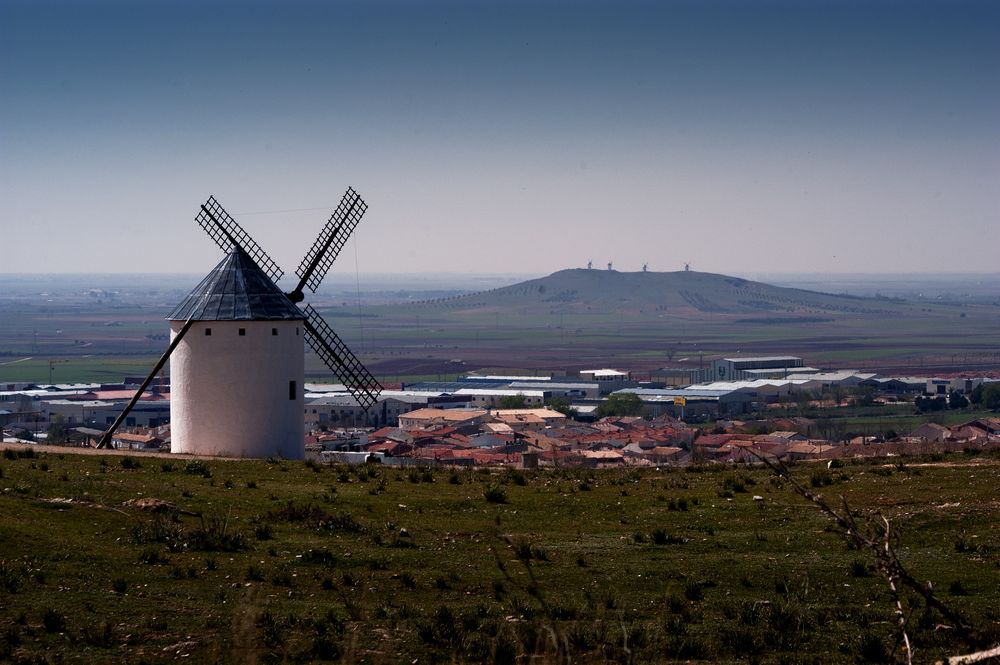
x=575, y=319
x=276, y=561
x=109, y=327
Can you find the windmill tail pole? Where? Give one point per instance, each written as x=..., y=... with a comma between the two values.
x=105, y=441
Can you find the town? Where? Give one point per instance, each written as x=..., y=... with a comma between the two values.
x=731, y=410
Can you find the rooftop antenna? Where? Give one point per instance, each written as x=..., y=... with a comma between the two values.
x=233, y=239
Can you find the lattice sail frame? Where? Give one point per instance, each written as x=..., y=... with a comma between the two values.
x=331, y=349
x=226, y=232
x=332, y=239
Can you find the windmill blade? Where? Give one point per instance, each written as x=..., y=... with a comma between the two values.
x=328, y=244
x=105, y=441
x=226, y=232
x=359, y=381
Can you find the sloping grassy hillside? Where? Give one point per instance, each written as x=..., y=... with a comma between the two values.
x=271, y=561
x=683, y=292
x=576, y=319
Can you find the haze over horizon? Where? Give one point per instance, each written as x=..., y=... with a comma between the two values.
x=514, y=138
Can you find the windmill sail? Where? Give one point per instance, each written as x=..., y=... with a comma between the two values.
x=345, y=365
x=330, y=241
x=226, y=232
x=105, y=441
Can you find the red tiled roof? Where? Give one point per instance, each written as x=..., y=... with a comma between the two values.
x=712, y=440
x=138, y=438
x=111, y=395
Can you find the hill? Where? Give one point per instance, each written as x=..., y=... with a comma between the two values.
x=576, y=318
x=684, y=293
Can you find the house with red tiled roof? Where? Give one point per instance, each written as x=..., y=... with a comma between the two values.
x=598, y=458
x=931, y=432
x=125, y=395
x=433, y=453
x=544, y=442
x=737, y=455
x=714, y=440
x=135, y=441
x=664, y=454
x=391, y=434
x=796, y=423
x=968, y=434
x=785, y=435
x=426, y=419
x=772, y=448
x=805, y=450
x=550, y=417
x=988, y=426
x=520, y=422
x=605, y=425
x=390, y=448
x=555, y=457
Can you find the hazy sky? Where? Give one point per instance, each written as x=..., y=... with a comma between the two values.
x=504, y=137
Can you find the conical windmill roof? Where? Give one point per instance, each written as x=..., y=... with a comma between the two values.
x=236, y=290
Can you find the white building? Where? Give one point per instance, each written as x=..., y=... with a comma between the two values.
x=489, y=397
x=609, y=380
x=237, y=375
x=734, y=369
x=341, y=409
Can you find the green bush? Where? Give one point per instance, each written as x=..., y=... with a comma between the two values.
x=495, y=493
x=53, y=621
x=215, y=535
x=198, y=468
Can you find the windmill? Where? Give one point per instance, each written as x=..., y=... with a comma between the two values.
x=236, y=351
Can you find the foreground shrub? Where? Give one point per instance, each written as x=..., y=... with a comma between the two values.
x=214, y=535
x=495, y=493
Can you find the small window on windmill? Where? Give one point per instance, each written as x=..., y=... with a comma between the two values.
x=292, y=392
x=208, y=332
x=243, y=332
x=296, y=331
x=274, y=332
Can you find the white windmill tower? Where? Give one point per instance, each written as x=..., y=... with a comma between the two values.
x=236, y=351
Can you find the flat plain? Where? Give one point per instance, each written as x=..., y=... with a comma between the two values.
x=99, y=328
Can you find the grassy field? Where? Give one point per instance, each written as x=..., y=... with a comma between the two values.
x=77, y=370
x=872, y=425
x=274, y=561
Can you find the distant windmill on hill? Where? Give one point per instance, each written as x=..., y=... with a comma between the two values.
x=236, y=351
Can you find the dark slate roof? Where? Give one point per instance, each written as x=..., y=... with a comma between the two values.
x=236, y=290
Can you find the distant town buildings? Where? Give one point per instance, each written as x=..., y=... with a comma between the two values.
x=734, y=410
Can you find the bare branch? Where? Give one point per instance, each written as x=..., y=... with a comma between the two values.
x=888, y=563
x=977, y=657
x=891, y=579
